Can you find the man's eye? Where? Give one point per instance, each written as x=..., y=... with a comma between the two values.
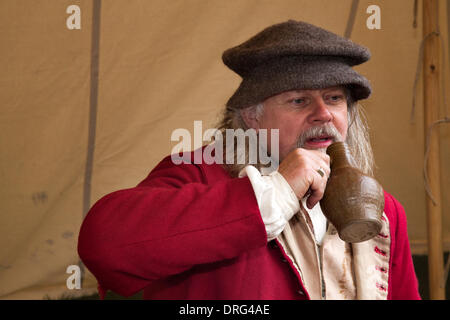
x=336, y=97
x=298, y=101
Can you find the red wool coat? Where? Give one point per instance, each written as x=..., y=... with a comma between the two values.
x=190, y=231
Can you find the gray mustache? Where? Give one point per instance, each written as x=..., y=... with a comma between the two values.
x=317, y=131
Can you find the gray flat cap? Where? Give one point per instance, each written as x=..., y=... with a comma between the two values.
x=295, y=55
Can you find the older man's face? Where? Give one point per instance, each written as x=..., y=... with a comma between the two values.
x=298, y=114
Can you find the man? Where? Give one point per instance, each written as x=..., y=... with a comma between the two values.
x=247, y=231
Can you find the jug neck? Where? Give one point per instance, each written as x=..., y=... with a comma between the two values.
x=340, y=155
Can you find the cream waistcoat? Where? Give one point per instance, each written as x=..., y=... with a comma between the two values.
x=337, y=270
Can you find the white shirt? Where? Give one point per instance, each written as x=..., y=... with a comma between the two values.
x=277, y=202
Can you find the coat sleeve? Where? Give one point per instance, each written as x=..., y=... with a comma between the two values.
x=169, y=223
x=403, y=281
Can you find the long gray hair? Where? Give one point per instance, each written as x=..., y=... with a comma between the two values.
x=358, y=139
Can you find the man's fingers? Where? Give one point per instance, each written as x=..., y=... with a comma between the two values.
x=317, y=189
x=324, y=163
x=306, y=169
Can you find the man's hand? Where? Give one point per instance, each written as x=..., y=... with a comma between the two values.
x=300, y=170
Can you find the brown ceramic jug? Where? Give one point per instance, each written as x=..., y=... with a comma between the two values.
x=353, y=202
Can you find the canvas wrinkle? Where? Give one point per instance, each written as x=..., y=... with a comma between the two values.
x=351, y=19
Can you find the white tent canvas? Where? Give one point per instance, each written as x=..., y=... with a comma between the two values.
x=71, y=134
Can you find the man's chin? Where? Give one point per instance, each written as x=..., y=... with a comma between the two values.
x=322, y=149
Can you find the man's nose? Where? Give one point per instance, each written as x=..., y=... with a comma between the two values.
x=320, y=112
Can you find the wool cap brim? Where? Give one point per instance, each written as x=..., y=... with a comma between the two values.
x=295, y=73
x=295, y=55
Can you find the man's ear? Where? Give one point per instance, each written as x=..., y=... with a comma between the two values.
x=250, y=117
